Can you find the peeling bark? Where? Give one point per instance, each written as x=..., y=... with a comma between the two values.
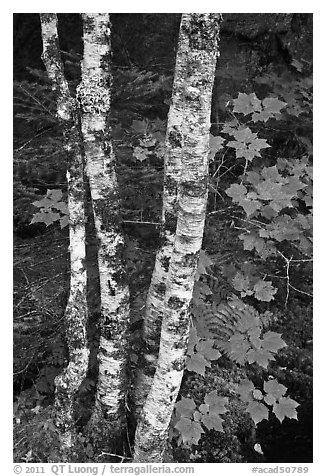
x=94, y=94
x=172, y=172
x=200, y=42
x=156, y=293
x=69, y=381
x=174, y=142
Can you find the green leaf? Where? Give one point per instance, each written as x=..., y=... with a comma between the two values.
x=185, y=407
x=193, y=340
x=62, y=207
x=204, y=262
x=245, y=390
x=45, y=203
x=247, y=144
x=45, y=217
x=286, y=407
x=211, y=410
x=250, y=206
x=285, y=228
x=274, y=388
x=203, y=408
x=252, y=241
x=64, y=221
x=246, y=103
x=261, y=116
x=268, y=212
x=273, y=341
x=201, y=290
x=241, y=283
x=215, y=402
x=271, y=108
x=206, y=348
x=260, y=356
x=213, y=422
x=237, y=192
x=258, y=411
x=272, y=173
x=293, y=186
x=54, y=195
x=244, y=135
x=264, y=291
x=273, y=105
x=215, y=144
x=230, y=127
x=191, y=431
x=254, y=338
x=269, y=399
x=269, y=190
x=197, y=363
x=253, y=177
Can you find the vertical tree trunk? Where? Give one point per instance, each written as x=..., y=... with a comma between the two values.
x=76, y=311
x=200, y=44
x=172, y=171
x=108, y=419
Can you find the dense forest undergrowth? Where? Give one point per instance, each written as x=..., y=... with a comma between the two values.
x=256, y=249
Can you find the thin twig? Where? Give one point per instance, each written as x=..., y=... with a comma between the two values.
x=142, y=222
x=244, y=171
x=37, y=101
x=30, y=140
x=38, y=287
x=287, y=267
x=220, y=211
x=288, y=262
x=301, y=260
x=299, y=291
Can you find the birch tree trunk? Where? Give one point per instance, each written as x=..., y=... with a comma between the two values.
x=200, y=44
x=69, y=381
x=108, y=419
x=172, y=171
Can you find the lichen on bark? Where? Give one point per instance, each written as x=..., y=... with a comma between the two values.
x=108, y=419
x=75, y=317
x=172, y=171
x=198, y=41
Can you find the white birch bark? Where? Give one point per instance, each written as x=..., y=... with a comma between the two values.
x=201, y=46
x=108, y=419
x=156, y=293
x=69, y=381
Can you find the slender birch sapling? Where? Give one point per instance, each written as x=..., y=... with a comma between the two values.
x=68, y=382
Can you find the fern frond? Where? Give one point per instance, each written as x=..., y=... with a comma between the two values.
x=229, y=318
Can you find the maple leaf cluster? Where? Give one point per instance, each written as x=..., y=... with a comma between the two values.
x=273, y=395
x=189, y=420
x=52, y=208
